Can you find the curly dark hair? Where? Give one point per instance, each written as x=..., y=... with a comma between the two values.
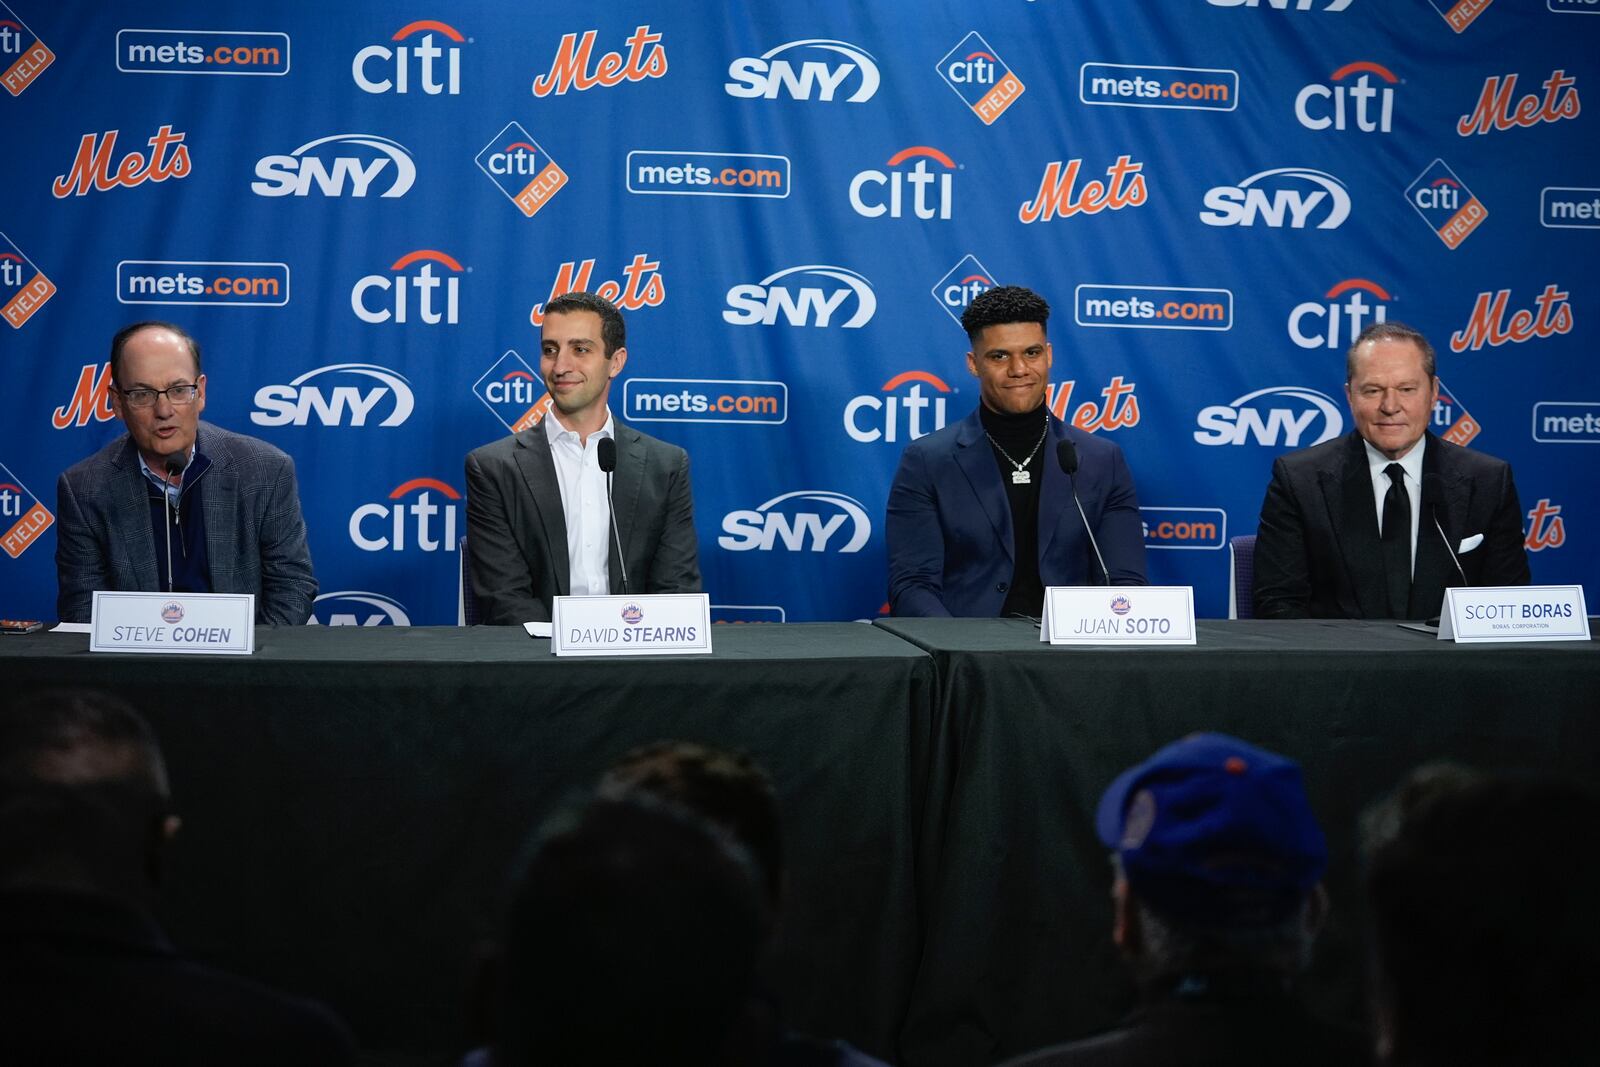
x=1003, y=304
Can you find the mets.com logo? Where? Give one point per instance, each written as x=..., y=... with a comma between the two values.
x=705, y=400
x=22, y=516
x=708, y=174
x=23, y=57
x=1153, y=307
x=980, y=78
x=1566, y=422
x=23, y=287
x=1194, y=528
x=1571, y=207
x=184, y=281
x=203, y=52
x=521, y=170
x=807, y=520
x=357, y=607
x=1187, y=88
x=360, y=391
x=1289, y=415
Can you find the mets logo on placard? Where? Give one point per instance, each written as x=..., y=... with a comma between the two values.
x=172, y=611
x=632, y=615
x=1121, y=605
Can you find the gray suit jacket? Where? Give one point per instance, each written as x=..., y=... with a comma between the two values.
x=255, y=534
x=517, y=532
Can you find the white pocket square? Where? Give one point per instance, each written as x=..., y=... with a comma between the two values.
x=1469, y=543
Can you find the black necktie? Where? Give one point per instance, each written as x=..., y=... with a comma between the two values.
x=1397, y=541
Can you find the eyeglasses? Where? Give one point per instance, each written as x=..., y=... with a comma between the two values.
x=177, y=395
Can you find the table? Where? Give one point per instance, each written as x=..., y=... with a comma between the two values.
x=354, y=799
x=1015, y=885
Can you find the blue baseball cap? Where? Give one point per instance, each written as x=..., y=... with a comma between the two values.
x=1215, y=832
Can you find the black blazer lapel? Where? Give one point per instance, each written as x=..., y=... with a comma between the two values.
x=1054, y=492
x=626, y=485
x=1348, y=493
x=976, y=460
x=538, y=472
x=130, y=522
x=1435, y=571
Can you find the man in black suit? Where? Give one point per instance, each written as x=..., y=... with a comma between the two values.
x=538, y=515
x=1378, y=523
x=86, y=975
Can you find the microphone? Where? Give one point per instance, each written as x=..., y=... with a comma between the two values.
x=606, y=454
x=1067, y=456
x=174, y=468
x=1431, y=492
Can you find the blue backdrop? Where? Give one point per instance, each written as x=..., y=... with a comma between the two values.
x=360, y=210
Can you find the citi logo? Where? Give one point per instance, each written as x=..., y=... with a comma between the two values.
x=91, y=167
x=1359, y=104
x=1334, y=322
x=296, y=403
x=378, y=68
x=1495, y=110
x=799, y=304
x=930, y=190
x=961, y=284
x=641, y=285
x=1290, y=196
x=91, y=399
x=354, y=607
x=807, y=520
x=919, y=411
x=394, y=520
x=768, y=75
x=423, y=288
x=1279, y=415
x=1059, y=196
x=572, y=66
x=1490, y=324
x=1285, y=5
x=331, y=164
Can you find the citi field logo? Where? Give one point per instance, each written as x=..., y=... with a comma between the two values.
x=521, y=169
x=1569, y=207
x=1283, y=196
x=429, y=519
x=182, y=281
x=1546, y=528
x=1118, y=408
x=641, y=285
x=1286, y=5
x=1446, y=204
x=241, y=52
x=1288, y=415
x=1347, y=308
x=1451, y=420
x=1181, y=88
x=344, y=164
x=23, y=287
x=737, y=400
x=980, y=78
x=575, y=66
x=930, y=190
x=1185, y=528
x=22, y=516
x=513, y=392
x=378, y=68
x=799, y=304
x=807, y=520
x=909, y=406
x=1566, y=422
x=805, y=70
x=1060, y=197
x=405, y=295
x=23, y=56
x=357, y=607
x=91, y=167
x=90, y=401
x=1359, y=104
x=1153, y=307
x=1460, y=13
x=961, y=284
x=1495, y=111
x=368, y=389
x=1490, y=324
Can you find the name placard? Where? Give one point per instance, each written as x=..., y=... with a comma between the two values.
x=1514, y=613
x=648, y=624
x=208, y=624
x=1118, y=615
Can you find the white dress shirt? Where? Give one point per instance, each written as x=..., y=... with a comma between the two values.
x=1411, y=462
x=584, y=505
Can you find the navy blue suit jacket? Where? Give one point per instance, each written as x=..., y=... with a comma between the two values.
x=949, y=530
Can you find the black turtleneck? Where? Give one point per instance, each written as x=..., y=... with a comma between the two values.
x=1019, y=435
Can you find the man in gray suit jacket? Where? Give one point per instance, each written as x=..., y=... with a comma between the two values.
x=232, y=513
x=539, y=522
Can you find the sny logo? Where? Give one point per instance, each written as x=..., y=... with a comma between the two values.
x=641, y=285
x=767, y=75
x=1495, y=111
x=91, y=167
x=1550, y=316
x=91, y=399
x=960, y=284
x=1283, y=194
x=571, y=68
x=23, y=287
x=980, y=78
x=424, y=285
x=919, y=177
x=521, y=169
x=22, y=54
x=1352, y=314
x=1460, y=13
x=767, y=526
x=1367, y=107
x=804, y=305
x=353, y=159
x=1451, y=420
x=1445, y=204
x=885, y=422
x=22, y=516
x=1289, y=410
x=295, y=403
x=1287, y=5
x=1124, y=187
x=1546, y=528
x=420, y=512
x=357, y=607
x=512, y=392
x=393, y=70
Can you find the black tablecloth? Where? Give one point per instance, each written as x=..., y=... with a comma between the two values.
x=1015, y=884
x=354, y=799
